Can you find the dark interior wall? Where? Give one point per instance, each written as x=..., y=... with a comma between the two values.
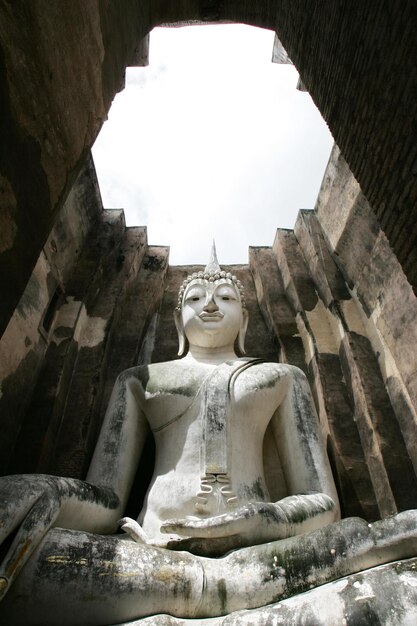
x=358, y=60
x=61, y=63
x=374, y=275
x=27, y=343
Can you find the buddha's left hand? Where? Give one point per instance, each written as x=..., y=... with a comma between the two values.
x=254, y=523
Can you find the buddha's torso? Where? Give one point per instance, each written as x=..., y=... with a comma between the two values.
x=172, y=402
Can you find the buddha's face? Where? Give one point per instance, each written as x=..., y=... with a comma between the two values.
x=211, y=313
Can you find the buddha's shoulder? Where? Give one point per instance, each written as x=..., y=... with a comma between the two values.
x=166, y=377
x=182, y=377
x=269, y=373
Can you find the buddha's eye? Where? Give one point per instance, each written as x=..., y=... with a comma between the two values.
x=195, y=298
x=225, y=298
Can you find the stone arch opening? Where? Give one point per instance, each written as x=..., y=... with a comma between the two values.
x=364, y=88
x=223, y=134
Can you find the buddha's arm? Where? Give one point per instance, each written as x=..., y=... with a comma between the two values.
x=303, y=455
x=121, y=439
x=33, y=503
x=314, y=502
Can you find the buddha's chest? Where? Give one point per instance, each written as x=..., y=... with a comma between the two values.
x=183, y=396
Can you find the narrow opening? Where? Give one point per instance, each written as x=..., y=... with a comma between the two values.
x=212, y=140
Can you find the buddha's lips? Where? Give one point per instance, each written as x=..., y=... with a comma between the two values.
x=211, y=317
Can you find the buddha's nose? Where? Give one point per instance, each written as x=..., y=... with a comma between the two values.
x=210, y=305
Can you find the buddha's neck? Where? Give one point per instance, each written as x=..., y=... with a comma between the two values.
x=211, y=356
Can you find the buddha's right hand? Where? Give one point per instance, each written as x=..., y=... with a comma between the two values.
x=133, y=529
x=254, y=523
x=32, y=503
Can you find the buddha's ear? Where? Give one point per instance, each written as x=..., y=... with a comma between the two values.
x=242, y=331
x=180, y=330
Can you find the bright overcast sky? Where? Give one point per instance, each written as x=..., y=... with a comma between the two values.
x=212, y=140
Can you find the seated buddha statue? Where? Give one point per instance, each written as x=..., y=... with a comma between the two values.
x=209, y=539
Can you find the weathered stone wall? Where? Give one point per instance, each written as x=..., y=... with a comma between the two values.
x=375, y=277
x=358, y=62
x=28, y=334
x=342, y=293
x=62, y=63
x=60, y=422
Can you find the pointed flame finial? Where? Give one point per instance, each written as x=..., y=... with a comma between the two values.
x=212, y=266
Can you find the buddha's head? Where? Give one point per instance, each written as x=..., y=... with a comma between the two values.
x=211, y=310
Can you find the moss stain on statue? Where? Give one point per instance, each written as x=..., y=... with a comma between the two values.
x=222, y=594
x=256, y=491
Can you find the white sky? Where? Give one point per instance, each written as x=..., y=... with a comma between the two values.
x=212, y=140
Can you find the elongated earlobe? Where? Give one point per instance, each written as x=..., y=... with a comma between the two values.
x=242, y=331
x=182, y=342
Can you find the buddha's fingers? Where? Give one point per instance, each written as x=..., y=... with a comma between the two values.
x=207, y=546
x=239, y=521
x=132, y=528
x=37, y=522
x=260, y=521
